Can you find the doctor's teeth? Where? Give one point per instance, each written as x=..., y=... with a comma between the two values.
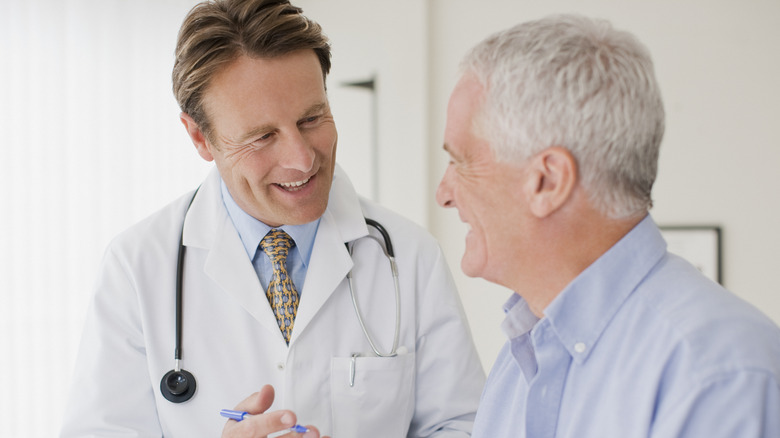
x=296, y=184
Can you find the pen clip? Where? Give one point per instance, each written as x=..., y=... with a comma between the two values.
x=352, y=369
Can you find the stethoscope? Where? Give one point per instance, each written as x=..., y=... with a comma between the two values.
x=178, y=385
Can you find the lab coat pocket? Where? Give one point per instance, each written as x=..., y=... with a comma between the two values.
x=372, y=396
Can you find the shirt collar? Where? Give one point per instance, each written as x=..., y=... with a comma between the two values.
x=582, y=311
x=519, y=318
x=252, y=230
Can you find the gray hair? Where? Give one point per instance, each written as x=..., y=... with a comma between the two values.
x=578, y=83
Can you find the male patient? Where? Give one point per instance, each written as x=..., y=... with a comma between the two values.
x=553, y=132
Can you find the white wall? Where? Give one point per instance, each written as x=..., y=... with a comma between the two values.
x=386, y=40
x=718, y=66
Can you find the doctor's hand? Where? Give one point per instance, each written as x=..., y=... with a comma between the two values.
x=261, y=423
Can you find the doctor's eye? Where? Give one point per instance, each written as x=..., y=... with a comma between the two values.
x=311, y=120
x=260, y=141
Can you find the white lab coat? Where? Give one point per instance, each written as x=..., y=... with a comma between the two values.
x=233, y=346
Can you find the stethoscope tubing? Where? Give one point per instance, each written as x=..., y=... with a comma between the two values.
x=186, y=391
x=394, y=268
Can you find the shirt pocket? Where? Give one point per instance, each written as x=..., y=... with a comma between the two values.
x=380, y=401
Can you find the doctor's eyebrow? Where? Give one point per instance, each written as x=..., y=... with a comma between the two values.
x=253, y=134
x=315, y=109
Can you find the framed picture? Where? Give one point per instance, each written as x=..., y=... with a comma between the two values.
x=699, y=244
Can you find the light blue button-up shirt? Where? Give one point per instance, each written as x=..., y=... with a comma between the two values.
x=252, y=232
x=640, y=344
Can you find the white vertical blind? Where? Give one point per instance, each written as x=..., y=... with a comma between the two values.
x=91, y=143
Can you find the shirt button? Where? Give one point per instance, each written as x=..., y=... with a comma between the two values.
x=579, y=347
x=280, y=366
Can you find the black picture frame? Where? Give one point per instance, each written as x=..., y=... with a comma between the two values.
x=699, y=244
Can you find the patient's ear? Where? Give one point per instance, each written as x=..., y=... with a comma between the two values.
x=550, y=180
x=198, y=139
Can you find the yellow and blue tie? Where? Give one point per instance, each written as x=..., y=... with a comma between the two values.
x=281, y=291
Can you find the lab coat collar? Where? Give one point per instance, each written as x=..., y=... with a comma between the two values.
x=202, y=218
x=209, y=227
x=343, y=209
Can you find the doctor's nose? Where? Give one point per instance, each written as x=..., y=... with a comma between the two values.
x=298, y=154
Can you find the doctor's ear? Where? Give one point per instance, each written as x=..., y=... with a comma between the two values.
x=551, y=180
x=198, y=139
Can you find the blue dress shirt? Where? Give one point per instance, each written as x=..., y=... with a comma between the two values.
x=640, y=344
x=252, y=232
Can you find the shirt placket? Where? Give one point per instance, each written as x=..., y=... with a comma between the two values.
x=546, y=389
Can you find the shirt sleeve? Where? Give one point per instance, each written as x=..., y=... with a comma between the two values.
x=743, y=404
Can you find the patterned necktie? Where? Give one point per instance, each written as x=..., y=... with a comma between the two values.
x=281, y=290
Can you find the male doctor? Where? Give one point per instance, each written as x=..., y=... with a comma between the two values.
x=250, y=79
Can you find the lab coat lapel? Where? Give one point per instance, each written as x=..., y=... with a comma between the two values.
x=330, y=261
x=209, y=227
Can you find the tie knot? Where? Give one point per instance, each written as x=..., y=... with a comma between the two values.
x=277, y=244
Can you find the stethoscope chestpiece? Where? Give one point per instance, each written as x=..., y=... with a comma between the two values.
x=178, y=386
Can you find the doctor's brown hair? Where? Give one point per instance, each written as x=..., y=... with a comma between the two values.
x=217, y=32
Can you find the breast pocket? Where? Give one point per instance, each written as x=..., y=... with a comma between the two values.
x=372, y=396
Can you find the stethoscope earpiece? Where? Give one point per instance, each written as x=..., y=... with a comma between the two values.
x=178, y=386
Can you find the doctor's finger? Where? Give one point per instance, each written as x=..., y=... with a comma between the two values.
x=261, y=425
x=258, y=402
x=313, y=432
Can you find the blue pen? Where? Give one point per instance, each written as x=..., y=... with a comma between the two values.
x=240, y=415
